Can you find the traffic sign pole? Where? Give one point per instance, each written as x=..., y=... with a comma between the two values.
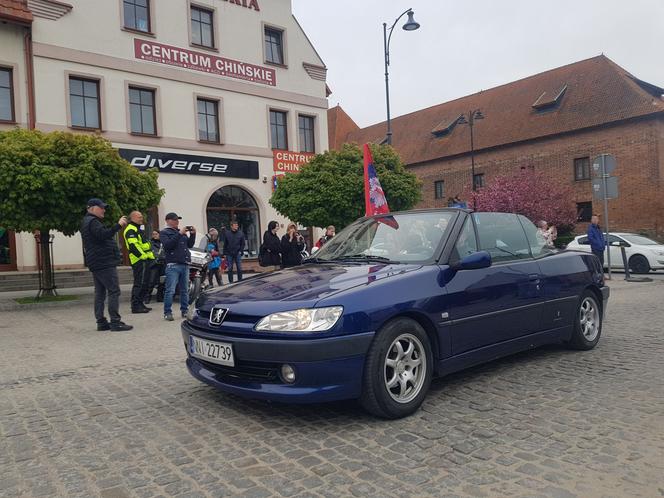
x=606, y=214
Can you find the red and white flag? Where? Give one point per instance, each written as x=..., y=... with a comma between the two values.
x=374, y=197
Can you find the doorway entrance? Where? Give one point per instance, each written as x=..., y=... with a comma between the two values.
x=234, y=203
x=7, y=250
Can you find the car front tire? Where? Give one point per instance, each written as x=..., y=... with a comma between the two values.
x=587, y=323
x=398, y=370
x=639, y=264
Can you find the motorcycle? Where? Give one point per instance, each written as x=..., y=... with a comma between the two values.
x=197, y=270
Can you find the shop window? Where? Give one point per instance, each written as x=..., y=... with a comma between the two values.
x=84, y=103
x=142, y=111
x=274, y=45
x=439, y=189
x=208, y=120
x=137, y=15
x=278, y=130
x=584, y=211
x=202, y=27
x=582, y=169
x=234, y=203
x=6, y=94
x=306, y=128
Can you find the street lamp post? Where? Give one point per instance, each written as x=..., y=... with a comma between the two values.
x=469, y=119
x=411, y=25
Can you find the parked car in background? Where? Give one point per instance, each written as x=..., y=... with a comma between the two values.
x=643, y=254
x=389, y=303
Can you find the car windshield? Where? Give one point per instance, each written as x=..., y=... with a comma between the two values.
x=410, y=237
x=639, y=240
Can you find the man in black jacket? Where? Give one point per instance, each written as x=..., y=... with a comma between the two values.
x=102, y=256
x=234, y=241
x=176, y=246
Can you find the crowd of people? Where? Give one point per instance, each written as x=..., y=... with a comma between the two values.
x=166, y=254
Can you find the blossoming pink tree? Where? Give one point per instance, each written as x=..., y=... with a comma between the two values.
x=531, y=194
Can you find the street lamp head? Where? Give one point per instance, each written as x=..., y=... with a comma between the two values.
x=479, y=115
x=462, y=119
x=411, y=24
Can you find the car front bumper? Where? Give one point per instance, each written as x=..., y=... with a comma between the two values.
x=326, y=369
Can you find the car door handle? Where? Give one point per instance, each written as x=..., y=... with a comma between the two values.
x=534, y=278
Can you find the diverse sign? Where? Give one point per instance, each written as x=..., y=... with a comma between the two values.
x=289, y=162
x=199, y=61
x=167, y=162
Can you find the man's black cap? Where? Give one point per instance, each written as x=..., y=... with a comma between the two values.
x=97, y=202
x=173, y=216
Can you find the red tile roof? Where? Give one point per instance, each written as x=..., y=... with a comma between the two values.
x=339, y=125
x=596, y=91
x=15, y=11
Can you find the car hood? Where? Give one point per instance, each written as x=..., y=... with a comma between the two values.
x=302, y=286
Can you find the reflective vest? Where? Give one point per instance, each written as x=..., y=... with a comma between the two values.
x=137, y=249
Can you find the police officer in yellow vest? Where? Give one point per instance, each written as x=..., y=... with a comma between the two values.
x=141, y=258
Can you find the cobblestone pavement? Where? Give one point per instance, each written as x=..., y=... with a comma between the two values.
x=86, y=414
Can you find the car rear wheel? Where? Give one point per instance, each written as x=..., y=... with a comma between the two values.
x=398, y=370
x=639, y=264
x=588, y=323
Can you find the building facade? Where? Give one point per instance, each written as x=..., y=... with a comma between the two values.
x=555, y=122
x=209, y=92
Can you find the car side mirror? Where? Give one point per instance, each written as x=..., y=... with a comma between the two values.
x=474, y=261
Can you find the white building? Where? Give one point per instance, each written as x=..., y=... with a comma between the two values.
x=207, y=91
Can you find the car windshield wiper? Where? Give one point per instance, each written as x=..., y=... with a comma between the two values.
x=366, y=257
x=505, y=251
x=316, y=260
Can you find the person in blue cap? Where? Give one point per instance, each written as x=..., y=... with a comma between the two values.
x=102, y=256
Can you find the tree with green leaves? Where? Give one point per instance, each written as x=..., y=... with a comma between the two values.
x=47, y=178
x=329, y=190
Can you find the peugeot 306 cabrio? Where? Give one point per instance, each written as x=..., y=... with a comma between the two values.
x=389, y=303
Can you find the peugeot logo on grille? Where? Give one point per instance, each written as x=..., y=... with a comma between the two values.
x=217, y=315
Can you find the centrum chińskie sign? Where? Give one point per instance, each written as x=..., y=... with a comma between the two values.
x=199, y=61
x=289, y=162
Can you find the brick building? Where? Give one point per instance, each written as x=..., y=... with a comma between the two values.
x=555, y=122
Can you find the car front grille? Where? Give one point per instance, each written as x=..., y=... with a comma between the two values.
x=246, y=370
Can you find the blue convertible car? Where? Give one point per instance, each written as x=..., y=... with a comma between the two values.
x=391, y=302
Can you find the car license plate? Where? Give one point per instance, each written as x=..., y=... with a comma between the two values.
x=215, y=352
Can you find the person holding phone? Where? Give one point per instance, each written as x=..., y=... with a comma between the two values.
x=102, y=256
x=292, y=245
x=176, y=242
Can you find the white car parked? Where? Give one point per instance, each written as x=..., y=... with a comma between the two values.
x=643, y=254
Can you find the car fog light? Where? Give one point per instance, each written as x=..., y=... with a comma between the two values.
x=287, y=373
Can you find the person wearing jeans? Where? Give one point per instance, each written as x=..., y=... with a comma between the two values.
x=234, y=242
x=176, y=274
x=176, y=244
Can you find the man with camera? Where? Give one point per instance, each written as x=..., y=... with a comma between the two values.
x=102, y=257
x=176, y=244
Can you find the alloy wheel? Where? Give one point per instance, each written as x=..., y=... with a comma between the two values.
x=589, y=319
x=405, y=368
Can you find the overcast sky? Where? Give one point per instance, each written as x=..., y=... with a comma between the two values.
x=464, y=46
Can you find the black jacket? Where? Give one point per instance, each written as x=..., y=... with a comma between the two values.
x=272, y=248
x=233, y=242
x=291, y=251
x=100, y=249
x=176, y=246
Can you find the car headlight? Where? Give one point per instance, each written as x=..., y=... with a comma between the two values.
x=658, y=252
x=302, y=320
